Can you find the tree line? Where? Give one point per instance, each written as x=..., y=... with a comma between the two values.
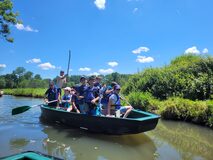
x=21, y=78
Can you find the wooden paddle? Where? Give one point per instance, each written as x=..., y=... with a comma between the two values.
x=22, y=109
x=68, y=66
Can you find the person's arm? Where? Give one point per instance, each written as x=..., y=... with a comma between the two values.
x=95, y=100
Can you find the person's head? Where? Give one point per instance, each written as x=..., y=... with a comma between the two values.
x=72, y=91
x=117, y=88
x=114, y=83
x=98, y=79
x=67, y=90
x=61, y=73
x=91, y=80
x=51, y=85
x=83, y=80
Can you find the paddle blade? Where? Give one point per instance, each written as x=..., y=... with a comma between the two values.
x=19, y=110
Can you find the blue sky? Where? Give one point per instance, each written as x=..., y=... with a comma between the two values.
x=105, y=36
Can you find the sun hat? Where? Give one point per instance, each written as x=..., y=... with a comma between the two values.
x=117, y=87
x=67, y=89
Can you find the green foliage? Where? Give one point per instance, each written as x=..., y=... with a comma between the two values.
x=143, y=101
x=188, y=76
x=20, y=78
x=199, y=112
x=7, y=17
x=28, y=92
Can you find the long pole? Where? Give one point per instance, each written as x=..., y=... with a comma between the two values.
x=68, y=67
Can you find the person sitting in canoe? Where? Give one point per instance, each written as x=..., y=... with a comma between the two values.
x=52, y=94
x=91, y=97
x=114, y=103
x=66, y=98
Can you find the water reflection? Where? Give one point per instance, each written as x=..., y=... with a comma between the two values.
x=18, y=142
x=191, y=141
x=78, y=144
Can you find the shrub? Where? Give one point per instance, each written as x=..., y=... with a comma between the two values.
x=144, y=101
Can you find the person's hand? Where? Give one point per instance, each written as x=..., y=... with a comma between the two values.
x=45, y=100
x=93, y=101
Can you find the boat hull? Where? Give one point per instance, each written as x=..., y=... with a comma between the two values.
x=101, y=124
x=30, y=155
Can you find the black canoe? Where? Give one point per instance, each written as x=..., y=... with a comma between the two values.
x=30, y=155
x=136, y=122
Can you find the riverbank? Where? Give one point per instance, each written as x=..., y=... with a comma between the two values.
x=26, y=92
x=175, y=108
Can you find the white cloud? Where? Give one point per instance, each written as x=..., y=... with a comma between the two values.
x=135, y=10
x=140, y=49
x=25, y=28
x=94, y=73
x=84, y=69
x=144, y=59
x=34, y=60
x=3, y=66
x=112, y=64
x=106, y=71
x=192, y=50
x=100, y=4
x=46, y=66
x=205, y=51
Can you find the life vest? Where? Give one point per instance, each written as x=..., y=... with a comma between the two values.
x=66, y=104
x=117, y=103
x=52, y=94
x=91, y=93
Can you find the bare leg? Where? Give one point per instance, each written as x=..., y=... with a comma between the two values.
x=129, y=109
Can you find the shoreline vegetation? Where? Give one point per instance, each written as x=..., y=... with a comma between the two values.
x=181, y=90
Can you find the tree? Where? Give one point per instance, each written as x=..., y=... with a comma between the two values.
x=2, y=82
x=7, y=17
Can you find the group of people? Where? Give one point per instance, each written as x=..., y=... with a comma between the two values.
x=89, y=97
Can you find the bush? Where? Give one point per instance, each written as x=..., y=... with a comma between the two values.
x=200, y=112
x=188, y=76
x=143, y=101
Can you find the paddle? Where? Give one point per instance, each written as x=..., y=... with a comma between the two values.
x=125, y=99
x=68, y=67
x=22, y=109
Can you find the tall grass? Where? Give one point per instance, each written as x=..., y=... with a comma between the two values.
x=28, y=92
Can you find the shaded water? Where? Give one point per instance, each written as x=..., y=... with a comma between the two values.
x=170, y=140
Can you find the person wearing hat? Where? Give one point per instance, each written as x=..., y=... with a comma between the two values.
x=91, y=97
x=81, y=93
x=51, y=94
x=114, y=103
x=66, y=98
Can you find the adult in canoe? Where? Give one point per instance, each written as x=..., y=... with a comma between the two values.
x=52, y=94
x=114, y=102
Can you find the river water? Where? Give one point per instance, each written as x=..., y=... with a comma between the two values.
x=170, y=140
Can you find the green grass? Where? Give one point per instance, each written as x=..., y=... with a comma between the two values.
x=28, y=92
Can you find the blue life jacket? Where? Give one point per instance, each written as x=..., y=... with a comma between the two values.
x=105, y=97
x=66, y=104
x=90, y=94
x=117, y=103
x=52, y=94
x=81, y=90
